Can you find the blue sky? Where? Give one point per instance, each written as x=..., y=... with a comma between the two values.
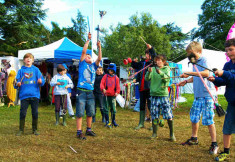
x=184, y=13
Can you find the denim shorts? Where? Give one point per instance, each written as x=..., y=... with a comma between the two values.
x=202, y=106
x=160, y=105
x=85, y=100
x=229, y=121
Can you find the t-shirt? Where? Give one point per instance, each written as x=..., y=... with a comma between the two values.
x=86, y=75
x=198, y=87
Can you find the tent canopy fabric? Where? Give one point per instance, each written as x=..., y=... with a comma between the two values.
x=215, y=59
x=61, y=49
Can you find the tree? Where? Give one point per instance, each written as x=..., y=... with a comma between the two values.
x=215, y=21
x=20, y=25
x=125, y=39
x=56, y=33
x=177, y=41
x=77, y=33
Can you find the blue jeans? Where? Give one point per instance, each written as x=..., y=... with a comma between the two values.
x=85, y=100
x=229, y=121
x=34, y=107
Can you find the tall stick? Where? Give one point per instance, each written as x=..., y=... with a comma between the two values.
x=143, y=40
x=204, y=82
x=139, y=71
x=92, y=38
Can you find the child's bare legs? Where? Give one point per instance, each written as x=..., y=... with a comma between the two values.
x=212, y=132
x=195, y=127
x=79, y=123
x=88, y=121
x=227, y=140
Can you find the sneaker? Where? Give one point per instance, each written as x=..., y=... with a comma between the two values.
x=213, y=149
x=81, y=137
x=190, y=142
x=108, y=125
x=222, y=156
x=73, y=117
x=90, y=133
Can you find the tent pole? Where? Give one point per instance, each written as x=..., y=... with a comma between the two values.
x=92, y=38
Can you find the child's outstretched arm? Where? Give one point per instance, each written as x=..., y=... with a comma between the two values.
x=182, y=83
x=151, y=51
x=99, y=54
x=83, y=56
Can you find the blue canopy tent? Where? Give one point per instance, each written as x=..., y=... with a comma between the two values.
x=62, y=50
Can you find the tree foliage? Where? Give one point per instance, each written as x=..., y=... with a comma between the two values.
x=177, y=41
x=125, y=40
x=21, y=26
x=215, y=21
x=77, y=33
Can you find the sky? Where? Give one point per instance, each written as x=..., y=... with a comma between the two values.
x=184, y=13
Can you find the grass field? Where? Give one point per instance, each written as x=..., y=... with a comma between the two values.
x=117, y=144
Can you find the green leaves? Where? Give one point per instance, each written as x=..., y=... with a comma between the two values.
x=215, y=21
x=125, y=39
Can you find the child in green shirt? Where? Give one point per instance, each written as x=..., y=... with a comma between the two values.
x=159, y=77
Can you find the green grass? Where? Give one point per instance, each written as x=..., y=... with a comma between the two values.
x=116, y=144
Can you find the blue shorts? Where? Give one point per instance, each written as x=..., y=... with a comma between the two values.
x=160, y=105
x=85, y=100
x=229, y=121
x=202, y=106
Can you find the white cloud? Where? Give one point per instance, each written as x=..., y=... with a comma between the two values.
x=58, y=6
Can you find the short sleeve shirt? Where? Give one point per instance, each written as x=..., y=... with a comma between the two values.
x=86, y=75
x=198, y=86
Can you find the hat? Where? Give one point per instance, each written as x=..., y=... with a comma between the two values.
x=65, y=66
x=112, y=66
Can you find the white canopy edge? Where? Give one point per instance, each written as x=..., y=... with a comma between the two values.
x=44, y=52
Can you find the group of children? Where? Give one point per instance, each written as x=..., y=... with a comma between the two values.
x=107, y=87
x=154, y=83
x=153, y=90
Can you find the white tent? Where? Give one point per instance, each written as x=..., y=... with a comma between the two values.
x=215, y=59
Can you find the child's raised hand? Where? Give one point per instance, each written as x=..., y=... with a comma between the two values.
x=219, y=73
x=98, y=44
x=18, y=84
x=89, y=36
x=211, y=78
x=148, y=46
x=39, y=81
x=150, y=69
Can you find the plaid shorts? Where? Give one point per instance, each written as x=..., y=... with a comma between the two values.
x=202, y=106
x=160, y=105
